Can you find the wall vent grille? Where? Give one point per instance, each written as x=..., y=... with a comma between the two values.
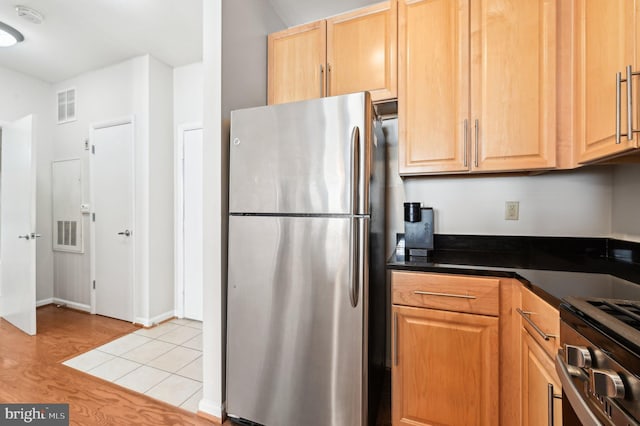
x=68, y=233
x=66, y=106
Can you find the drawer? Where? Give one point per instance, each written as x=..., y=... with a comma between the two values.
x=458, y=293
x=545, y=319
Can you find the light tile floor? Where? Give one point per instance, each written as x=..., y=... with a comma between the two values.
x=164, y=362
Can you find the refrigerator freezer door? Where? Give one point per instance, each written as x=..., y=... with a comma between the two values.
x=295, y=343
x=299, y=157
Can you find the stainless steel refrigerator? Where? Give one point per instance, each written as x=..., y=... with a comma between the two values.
x=306, y=278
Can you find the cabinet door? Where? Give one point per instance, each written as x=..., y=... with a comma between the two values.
x=513, y=99
x=361, y=51
x=445, y=368
x=433, y=86
x=605, y=45
x=538, y=372
x=297, y=59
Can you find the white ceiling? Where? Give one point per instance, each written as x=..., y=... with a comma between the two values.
x=83, y=35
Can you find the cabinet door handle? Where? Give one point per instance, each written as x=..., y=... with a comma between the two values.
x=618, y=108
x=321, y=81
x=629, y=103
x=550, y=397
x=430, y=293
x=328, y=79
x=464, y=142
x=477, y=131
x=525, y=315
x=395, y=338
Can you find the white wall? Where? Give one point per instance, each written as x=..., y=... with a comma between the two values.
x=626, y=202
x=244, y=53
x=188, y=85
x=212, y=345
x=161, y=220
x=141, y=87
x=102, y=95
x=23, y=95
x=295, y=12
x=235, y=63
x=187, y=94
x=575, y=203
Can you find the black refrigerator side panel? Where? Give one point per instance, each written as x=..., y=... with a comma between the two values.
x=377, y=272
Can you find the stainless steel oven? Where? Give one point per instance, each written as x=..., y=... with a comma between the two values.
x=599, y=362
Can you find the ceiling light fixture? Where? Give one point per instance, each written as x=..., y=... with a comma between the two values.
x=9, y=35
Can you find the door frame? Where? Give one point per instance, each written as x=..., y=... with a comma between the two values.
x=178, y=167
x=93, y=127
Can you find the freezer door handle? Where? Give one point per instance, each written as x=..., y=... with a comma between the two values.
x=355, y=172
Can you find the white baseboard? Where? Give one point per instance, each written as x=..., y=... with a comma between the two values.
x=148, y=322
x=58, y=301
x=211, y=408
x=43, y=302
x=74, y=305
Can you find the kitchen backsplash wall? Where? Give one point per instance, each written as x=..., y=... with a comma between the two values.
x=626, y=202
x=573, y=203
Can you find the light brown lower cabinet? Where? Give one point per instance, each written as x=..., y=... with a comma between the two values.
x=542, y=393
x=445, y=368
x=470, y=350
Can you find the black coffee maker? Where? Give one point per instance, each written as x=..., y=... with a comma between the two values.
x=418, y=230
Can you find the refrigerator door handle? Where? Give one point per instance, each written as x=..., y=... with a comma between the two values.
x=355, y=264
x=360, y=258
x=356, y=192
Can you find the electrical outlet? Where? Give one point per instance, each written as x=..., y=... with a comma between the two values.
x=511, y=210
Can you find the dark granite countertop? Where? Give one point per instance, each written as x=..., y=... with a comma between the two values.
x=552, y=267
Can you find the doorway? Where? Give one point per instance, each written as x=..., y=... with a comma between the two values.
x=189, y=260
x=112, y=233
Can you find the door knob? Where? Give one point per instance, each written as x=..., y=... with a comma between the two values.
x=34, y=235
x=26, y=237
x=126, y=233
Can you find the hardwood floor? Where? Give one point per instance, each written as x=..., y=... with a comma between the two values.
x=31, y=372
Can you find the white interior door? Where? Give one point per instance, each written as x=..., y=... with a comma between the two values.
x=112, y=187
x=17, y=229
x=192, y=227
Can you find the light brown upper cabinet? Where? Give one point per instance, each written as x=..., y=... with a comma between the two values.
x=348, y=53
x=477, y=85
x=297, y=59
x=361, y=51
x=605, y=44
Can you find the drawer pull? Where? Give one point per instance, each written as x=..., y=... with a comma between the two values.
x=525, y=315
x=429, y=293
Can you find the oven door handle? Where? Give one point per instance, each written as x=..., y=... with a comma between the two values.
x=579, y=405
